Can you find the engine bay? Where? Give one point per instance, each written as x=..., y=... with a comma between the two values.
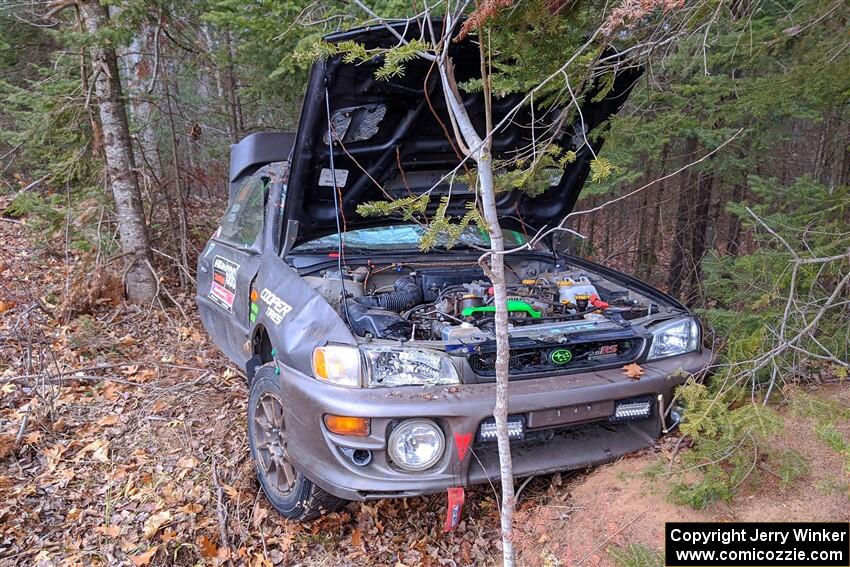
x=451, y=302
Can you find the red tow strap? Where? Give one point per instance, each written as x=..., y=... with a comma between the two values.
x=455, y=493
x=453, y=510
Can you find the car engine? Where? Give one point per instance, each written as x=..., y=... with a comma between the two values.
x=447, y=304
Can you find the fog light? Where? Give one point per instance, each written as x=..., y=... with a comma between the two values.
x=635, y=408
x=675, y=417
x=360, y=457
x=416, y=444
x=516, y=428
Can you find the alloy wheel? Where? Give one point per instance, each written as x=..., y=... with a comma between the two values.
x=270, y=442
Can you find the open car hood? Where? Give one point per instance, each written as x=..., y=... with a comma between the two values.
x=392, y=145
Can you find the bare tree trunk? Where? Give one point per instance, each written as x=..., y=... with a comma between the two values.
x=588, y=245
x=586, y=249
x=120, y=166
x=97, y=132
x=500, y=293
x=143, y=61
x=232, y=88
x=655, y=226
x=823, y=153
x=479, y=149
x=733, y=240
x=844, y=167
x=719, y=197
x=701, y=227
x=182, y=228
x=641, y=255
x=643, y=252
x=678, y=256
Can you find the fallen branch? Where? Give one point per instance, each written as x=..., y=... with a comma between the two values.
x=221, y=510
x=86, y=369
x=19, y=437
x=55, y=380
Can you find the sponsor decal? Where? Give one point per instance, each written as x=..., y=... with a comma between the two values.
x=223, y=287
x=276, y=308
x=560, y=356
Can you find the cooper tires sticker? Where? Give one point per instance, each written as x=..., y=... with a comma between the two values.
x=276, y=308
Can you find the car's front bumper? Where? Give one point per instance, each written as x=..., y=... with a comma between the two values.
x=460, y=410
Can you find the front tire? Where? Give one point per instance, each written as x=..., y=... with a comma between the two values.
x=290, y=492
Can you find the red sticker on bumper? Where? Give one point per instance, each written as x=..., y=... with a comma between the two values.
x=462, y=441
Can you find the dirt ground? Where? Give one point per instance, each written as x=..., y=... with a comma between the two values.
x=122, y=442
x=617, y=505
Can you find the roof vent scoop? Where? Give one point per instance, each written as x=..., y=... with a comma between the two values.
x=256, y=150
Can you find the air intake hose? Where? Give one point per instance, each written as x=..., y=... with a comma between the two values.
x=406, y=295
x=380, y=323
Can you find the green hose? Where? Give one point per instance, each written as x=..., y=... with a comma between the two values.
x=514, y=306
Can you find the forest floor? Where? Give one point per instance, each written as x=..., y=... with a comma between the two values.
x=122, y=442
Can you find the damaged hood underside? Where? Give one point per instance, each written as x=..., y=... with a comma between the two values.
x=394, y=139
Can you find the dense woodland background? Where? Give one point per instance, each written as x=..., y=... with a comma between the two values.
x=199, y=76
x=756, y=237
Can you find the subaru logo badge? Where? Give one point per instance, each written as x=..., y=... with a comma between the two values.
x=560, y=356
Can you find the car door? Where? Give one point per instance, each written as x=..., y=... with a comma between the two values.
x=228, y=266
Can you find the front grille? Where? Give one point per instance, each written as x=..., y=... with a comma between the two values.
x=564, y=358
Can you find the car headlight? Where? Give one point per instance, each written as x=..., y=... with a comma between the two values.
x=405, y=366
x=675, y=337
x=386, y=366
x=337, y=364
x=416, y=444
